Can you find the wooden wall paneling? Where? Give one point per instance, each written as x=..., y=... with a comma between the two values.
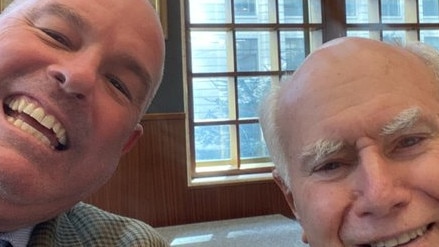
x=150, y=183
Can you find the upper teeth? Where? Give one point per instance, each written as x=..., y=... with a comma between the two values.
x=24, y=105
x=402, y=239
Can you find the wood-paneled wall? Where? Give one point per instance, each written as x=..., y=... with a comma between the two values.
x=151, y=183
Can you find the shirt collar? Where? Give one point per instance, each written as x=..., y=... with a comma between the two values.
x=18, y=238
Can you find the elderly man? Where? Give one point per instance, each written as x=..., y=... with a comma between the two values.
x=354, y=134
x=75, y=78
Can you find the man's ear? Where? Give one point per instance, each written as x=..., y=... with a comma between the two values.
x=135, y=135
x=286, y=191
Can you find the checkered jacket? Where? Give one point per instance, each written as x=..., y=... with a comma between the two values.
x=86, y=225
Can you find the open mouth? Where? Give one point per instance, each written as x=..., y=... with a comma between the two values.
x=402, y=239
x=31, y=118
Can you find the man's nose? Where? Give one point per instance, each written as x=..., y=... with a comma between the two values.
x=380, y=187
x=77, y=76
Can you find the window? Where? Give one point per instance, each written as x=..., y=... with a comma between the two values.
x=395, y=21
x=237, y=49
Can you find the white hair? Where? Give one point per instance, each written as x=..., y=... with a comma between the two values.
x=428, y=54
x=270, y=128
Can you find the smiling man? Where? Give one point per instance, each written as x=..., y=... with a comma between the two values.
x=75, y=79
x=354, y=135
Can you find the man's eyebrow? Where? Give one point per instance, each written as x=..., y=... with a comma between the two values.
x=403, y=120
x=322, y=148
x=319, y=150
x=63, y=12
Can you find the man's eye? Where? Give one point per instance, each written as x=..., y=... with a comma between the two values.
x=410, y=141
x=333, y=170
x=119, y=85
x=58, y=37
x=328, y=167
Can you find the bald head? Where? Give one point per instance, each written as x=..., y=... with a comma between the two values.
x=351, y=61
x=354, y=136
x=341, y=74
x=349, y=71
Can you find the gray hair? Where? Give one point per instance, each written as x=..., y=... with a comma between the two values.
x=428, y=54
x=270, y=129
x=269, y=108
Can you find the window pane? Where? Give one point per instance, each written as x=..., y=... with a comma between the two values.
x=209, y=52
x=251, y=143
x=429, y=11
x=212, y=143
x=362, y=11
x=315, y=11
x=250, y=92
x=351, y=9
x=392, y=11
x=291, y=11
x=253, y=51
x=391, y=8
x=394, y=37
x=254, y=11
x=245, y=8
x=211, y=98
x=209, y=11
x=363, y=34
x=247, y=53
x=400, y=36
x=292, y=49
x=430, y=37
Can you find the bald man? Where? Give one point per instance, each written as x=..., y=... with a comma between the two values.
x=354, y=135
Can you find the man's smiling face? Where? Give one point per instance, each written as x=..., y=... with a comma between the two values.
x=360, y=124
x=75, y=77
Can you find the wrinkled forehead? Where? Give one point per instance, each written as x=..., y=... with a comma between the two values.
x=363, y=77
x=135, y=14
x=137, y=11
x=356, y=67
x=103, y=3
